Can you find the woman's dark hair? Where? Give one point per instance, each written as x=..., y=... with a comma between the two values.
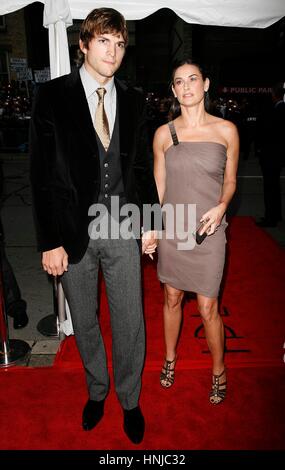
x=175, y=109
x=101, y=21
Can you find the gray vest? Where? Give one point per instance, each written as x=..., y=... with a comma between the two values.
x=111, y=172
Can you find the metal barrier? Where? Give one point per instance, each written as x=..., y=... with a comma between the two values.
x=51, y=324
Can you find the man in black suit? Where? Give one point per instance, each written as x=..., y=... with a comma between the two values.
x=74, y=164
x=272, y=156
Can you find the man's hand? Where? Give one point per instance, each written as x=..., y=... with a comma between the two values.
x=149, y=242
x=55, y=261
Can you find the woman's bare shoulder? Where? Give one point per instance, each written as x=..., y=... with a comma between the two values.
x=224, y=124
x=224, y=127
x=162, y=130
x=162, y=134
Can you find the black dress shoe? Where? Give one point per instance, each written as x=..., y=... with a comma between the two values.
x=134, y=424
x=92, y=413
x=20, y=320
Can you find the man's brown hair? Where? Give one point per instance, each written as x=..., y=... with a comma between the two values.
x=101, y=21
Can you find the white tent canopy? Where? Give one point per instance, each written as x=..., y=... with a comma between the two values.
x=243, y=13
x=58, y=15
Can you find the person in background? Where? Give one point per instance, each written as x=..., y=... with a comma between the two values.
x=272, y=156
x=15, y=305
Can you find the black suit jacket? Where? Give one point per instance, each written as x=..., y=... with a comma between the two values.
x=271, y=126
x=65, y=166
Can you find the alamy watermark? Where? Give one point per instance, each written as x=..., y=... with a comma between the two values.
x=173, y=222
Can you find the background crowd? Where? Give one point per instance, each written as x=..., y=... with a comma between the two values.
x=245, y=111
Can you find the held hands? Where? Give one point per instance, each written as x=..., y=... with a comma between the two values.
x=212, y=219
x=55, y=261
x=149, y=242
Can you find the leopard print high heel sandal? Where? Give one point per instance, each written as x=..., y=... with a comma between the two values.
x=218, y=392
x=167, y=373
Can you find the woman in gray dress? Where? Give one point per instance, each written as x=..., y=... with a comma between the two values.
x=195, y=162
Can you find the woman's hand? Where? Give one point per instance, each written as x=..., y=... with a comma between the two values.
x=212, y=219
x=149, y=242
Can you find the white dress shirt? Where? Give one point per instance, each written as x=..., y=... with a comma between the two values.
x=90, y=86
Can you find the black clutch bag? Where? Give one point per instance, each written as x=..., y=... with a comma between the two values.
x=198, y=236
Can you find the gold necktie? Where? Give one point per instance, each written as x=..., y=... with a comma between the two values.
x=101, y=122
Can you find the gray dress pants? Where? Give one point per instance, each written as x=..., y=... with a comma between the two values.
x=120, y=261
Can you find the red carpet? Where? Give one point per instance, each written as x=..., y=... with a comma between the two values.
x=41, y=407
x=252, y=303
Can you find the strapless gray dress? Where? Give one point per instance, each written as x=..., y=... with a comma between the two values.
x=194, y=175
